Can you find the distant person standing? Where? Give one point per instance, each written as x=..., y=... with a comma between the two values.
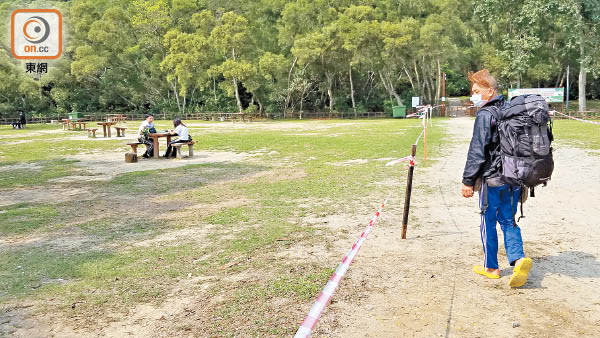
x=143, y=135
x=22, y=120
x=496, y=198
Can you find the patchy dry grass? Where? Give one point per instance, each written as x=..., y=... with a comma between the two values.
x=215, y=231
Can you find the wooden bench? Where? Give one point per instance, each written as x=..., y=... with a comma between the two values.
x=177, y=147
x=120, y=131
x=92, y=132
x=134, y=146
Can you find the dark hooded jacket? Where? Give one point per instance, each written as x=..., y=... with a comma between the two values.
x=482, y=159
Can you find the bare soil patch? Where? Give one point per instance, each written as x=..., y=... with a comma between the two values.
x=21, y=166
x=55, y=194
x=103, y=167
x=113, y=163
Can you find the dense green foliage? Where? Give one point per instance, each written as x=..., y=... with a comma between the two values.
x=279, y=55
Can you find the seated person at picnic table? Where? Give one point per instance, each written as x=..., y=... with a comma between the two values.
x=180, y=130
x=143, y=135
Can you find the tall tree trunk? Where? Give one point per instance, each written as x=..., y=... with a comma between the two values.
x=352, y=91
x=582, y=80
x=410, y=79
x=192, y=97
x=176, y=94
x=261, y=109
x=417, y=78
x=330, y=94
x=215, y=89
x=302, y=99
x=369, y=83
x=237, y=95
x=289, y=91
x=330, y=91
x=438, y=92
x=385, y=85
x=235, y=86
x=560, y=79
x=427, y=80
x=389, y=86
x=429, y=88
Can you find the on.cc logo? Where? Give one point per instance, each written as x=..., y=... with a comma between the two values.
x=39, y=34
x=36, y=34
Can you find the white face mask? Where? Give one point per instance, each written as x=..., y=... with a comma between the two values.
x=477, y=100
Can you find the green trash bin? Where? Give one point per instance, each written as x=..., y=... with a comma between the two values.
x=399, y=111
x=75, y=116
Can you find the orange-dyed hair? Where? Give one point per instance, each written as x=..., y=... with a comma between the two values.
x=483, y=78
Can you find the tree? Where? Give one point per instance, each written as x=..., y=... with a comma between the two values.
x=230, y=39
x=398, y=55
x=271, y=75
x=585, y=30
x=537, y=34
x=277, y=55
x=322, y=53
x=356, y=29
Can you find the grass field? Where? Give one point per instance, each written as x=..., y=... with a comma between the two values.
x=577, y=133
x=89, y=250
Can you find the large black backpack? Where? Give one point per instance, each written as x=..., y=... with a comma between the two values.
x=525, y=151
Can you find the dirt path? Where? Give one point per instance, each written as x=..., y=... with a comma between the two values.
x=425, y=287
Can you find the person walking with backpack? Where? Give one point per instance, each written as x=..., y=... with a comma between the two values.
x=498, y=200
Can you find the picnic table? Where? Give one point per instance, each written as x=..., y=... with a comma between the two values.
x=73, y=124
x=106, y=127
x=79, y=124
x=115, y=117
x=155, y=137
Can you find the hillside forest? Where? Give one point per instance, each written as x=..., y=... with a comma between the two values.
x=273, y=56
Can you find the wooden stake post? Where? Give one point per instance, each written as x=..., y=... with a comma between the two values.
x=409, y=182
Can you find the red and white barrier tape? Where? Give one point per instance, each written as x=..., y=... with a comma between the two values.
x=421, y=135
x=316, y=310
x=577, y=119
x=411, y=160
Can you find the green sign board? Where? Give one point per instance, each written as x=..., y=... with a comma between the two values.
x=552, y=95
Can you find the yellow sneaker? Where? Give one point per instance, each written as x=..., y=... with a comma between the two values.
x=521, y=273
x=481, y=271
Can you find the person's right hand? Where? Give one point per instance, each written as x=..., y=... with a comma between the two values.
x=467, y=191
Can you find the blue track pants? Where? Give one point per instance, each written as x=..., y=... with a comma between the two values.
x=499, y=209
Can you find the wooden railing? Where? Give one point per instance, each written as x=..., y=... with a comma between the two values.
x=207, y=116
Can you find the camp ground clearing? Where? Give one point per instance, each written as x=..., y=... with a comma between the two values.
x=239, y=240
